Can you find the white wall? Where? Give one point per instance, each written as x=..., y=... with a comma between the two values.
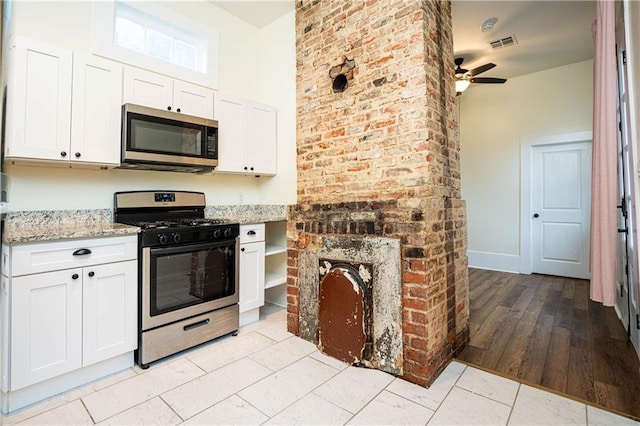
x=494, y=119
x=269, y=79
x=277, y=80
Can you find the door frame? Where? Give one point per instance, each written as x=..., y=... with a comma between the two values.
x=526, y=170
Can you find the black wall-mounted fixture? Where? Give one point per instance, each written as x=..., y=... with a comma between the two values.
x=341, y=74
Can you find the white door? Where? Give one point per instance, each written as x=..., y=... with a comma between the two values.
x=46, y=326
x=39, y=101
x=561, y=209
x=627, y=303
x=251, y=276
x=110, y=294
x=261, y=139
x=231, y=113
x=192, y=100
x=147, y=88
x=96, y=110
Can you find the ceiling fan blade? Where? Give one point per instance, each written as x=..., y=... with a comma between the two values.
x=481, y=69
x=488, y=80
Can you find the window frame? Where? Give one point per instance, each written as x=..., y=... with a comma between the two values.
x=103, y=44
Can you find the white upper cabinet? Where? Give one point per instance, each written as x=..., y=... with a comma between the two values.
x=39, y=101
x=154, y=90
x=147, y=88
x=62, y=107
x=246, y=136
x=95, y=113
x=261, y=133
x=231, y=113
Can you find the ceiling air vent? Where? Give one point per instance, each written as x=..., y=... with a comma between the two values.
x=503, y=42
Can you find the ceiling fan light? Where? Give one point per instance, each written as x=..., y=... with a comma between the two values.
x=461, y=85
x=488, y=24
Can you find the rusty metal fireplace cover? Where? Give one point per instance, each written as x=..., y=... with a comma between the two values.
x=341, y=323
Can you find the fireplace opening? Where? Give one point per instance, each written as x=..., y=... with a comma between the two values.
x=345, y=311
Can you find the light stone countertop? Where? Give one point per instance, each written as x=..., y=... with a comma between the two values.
x=41, y=233
x=51, y=225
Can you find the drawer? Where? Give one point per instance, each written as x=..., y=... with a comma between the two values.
x=251, y=233
x=52, y=256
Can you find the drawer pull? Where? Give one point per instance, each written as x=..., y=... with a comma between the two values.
x=91, y=274
x=74, y=276
x=196, y=325
x=252, y=232
x=81, y=252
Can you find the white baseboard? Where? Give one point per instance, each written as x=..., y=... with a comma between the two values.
x=494, y=261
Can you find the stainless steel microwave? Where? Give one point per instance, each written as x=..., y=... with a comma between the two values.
x=165, y=140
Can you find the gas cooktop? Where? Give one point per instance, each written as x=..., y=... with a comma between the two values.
x=171, y=218
x=179, y=223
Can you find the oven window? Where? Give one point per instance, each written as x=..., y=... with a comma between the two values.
x=191, y=277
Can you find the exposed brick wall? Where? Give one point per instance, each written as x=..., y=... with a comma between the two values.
x=382, y=158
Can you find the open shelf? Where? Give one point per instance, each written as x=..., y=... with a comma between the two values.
x=272, y=249
x=275, y=264
x=273, y=280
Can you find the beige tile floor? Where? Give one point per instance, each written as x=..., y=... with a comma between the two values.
x=267, y=375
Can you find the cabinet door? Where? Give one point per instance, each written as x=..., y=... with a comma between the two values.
x=192, y=100
x=96, y=110
x=261, y=139
x=251, y=276
x=110, y=310
x=147, y=88
x=38, y=101
x=46, y=326
x=231, y=113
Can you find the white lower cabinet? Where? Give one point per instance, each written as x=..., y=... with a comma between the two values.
x=73, y=315
x=251, y=272
x=46, y=326
x=109, y=307
x=263, y=268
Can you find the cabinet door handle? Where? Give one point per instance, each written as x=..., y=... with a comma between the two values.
x=77, y=154
x=63, y=154
x=252, y=232
x=74, y=276
x=178, y=110
x=91, y=273
x=81, y=252
x=242, y=249
x=169, y=108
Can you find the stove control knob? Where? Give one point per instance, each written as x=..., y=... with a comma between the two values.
x=176, y=237
x=217, y=233
x=227, y=232
x=162, y=239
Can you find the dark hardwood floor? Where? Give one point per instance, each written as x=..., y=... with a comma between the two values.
x=545, y=331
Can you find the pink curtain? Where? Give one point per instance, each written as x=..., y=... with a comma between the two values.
x=604, y=171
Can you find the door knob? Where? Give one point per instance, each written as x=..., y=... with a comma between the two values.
x=536, y=215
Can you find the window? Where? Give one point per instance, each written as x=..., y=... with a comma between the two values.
x=148, y=36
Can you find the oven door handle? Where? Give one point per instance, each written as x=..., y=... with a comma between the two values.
x=191, y=247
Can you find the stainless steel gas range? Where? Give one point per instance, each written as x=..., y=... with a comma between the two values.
x=188, y=271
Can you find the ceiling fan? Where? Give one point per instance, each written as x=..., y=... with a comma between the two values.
x=465, y=77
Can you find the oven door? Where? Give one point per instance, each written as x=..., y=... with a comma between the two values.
x=184, y=281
